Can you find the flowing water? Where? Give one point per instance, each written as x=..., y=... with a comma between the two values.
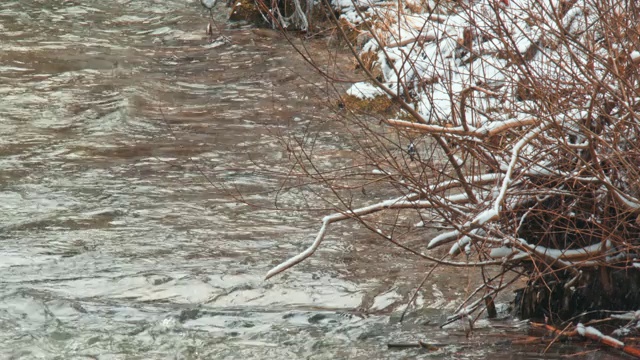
x=124, y=131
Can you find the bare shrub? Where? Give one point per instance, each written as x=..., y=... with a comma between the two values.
x=519, y=129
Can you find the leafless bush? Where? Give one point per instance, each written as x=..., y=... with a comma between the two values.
x=517, y=126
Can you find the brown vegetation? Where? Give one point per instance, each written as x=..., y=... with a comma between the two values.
x=519, y=128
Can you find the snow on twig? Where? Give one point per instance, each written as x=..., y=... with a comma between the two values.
x=405, y=202
x=494, y=212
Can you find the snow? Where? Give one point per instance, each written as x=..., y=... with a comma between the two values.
x=632, y=315
x=501, y=252
x=485, y=216
x=443, y=238
x=593, y=333
x=462, y=243
x=303, y=255
x=564, y=253
x=622, y=332
x=365, y=90
x=493, y=213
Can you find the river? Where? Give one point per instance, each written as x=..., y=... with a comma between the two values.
x=127, y=137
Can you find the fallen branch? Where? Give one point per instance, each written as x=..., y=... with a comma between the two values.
x=593, y=334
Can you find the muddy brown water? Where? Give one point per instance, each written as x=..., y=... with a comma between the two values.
x=122, y=130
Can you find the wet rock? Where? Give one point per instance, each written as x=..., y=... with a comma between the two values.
x=316, y=318
x=190, y=314
x=375, y=332
x=159, y=280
